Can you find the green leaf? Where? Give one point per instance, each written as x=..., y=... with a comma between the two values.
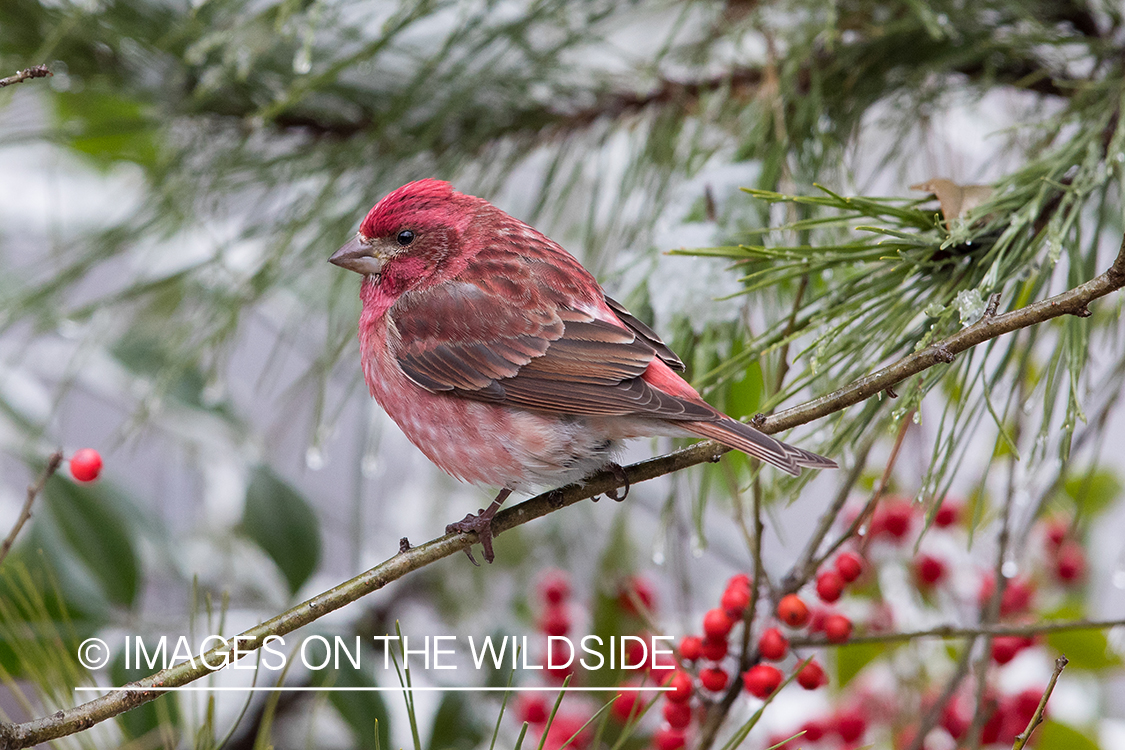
x=1053, y=735
x=1086, y=649
x=1093, y=491
x=455, y=725
x=851, y=659
x=91, y=524
x=283, y=524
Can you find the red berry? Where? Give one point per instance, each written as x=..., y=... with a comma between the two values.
x=948, y=514
x=991, y=731
x=1005, y=648
x=533, y=709
x=814, y=731
x=761, y=680
x=627, y=706
x=713, y=678
x=773, y=644
x=929, y=570
x=85, y=465
x=555, y=621
x=741, y=580
x=680, y=682
x=1057, y=531
x=849, y=565
x=850, y=725
x=717, y=624
x=1017, y=597
x=691, y=647
x=812, y=676
x=714, y=650
x=837, y=628
x=668, y=738
x=636, y=590
x=678, y=715
x=829, y=586
x=554, y=586
x=1070, y=562
x=1023, y=705
x=793, y=611
x=954, y=721
x=896, y=518
x=735, y=600
x=562, y=729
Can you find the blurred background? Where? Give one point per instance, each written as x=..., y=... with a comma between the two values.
x=169, y=198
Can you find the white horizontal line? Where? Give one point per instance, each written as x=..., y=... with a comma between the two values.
x=373, y=689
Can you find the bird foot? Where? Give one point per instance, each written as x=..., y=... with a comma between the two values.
x=620, y=475
x=481, y=523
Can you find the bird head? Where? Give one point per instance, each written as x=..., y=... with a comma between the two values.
x=411, y=235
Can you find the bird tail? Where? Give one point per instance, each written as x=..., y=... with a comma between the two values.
x=743, y=437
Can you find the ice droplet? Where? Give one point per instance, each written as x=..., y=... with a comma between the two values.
x=302, y=61
x=314, y=458
x=934, y=309
x=1009, y=569
x=971, y=306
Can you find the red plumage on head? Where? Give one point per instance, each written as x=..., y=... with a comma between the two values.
x=417, y=203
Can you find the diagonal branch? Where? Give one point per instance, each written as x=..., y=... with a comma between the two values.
x=69, y=721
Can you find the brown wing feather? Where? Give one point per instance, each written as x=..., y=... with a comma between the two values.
x=466, y=339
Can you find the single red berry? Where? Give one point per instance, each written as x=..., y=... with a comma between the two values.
x=1070, y=562
x=563, y=728
x=681, y=691
x=555, y=621
x=668, y=738
x=85, y=465
x=554, y=587
x=793, y=611
x=897, y=517
x=954, y=721
x=1023, y=705
x=636, y=653
x=691, y=647
x=533, y=709
x=1056, y=531
x=1006, y=647
x=812, y=676
x=929, y=570
x=773, y=644
x=837, y=628
x=990, y=734
x=1017, y=597
x=761, y=680
x=849, y=565
x=637, y=590
x=814, y=731
x=717, y=624
x=715, y=650
x=850, y=725
x=627, y=706
x=713, y=678
x=678, y=715
x=947, y=514
x=741, y=580
x=829, y=586
x=735, y=600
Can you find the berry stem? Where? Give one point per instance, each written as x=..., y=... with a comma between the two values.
x=33, y=490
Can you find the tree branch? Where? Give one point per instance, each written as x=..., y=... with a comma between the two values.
x=947, y=632
x=33, y=490
x=1037, y=717
x=69, y=721
x=39, y=71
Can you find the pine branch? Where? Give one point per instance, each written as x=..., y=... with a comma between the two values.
x=70, y=721
x=33, y=490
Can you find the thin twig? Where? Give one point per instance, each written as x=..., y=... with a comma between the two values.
x=69, y=721
x=33, y=490
x=39, y=71
x=947, y=632
x=1037, y=717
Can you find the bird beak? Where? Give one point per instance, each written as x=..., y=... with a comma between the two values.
x=358, y=256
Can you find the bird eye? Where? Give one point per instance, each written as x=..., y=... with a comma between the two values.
x=405, y=237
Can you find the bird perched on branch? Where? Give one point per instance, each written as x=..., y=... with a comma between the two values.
x=503, y=359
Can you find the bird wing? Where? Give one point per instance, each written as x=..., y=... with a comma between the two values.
x=531, y=345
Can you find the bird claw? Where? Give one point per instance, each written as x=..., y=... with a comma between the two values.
x=620, y=475
x=481, y=523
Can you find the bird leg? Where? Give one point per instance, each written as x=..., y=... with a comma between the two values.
x=481, y=523
x=620, y=475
